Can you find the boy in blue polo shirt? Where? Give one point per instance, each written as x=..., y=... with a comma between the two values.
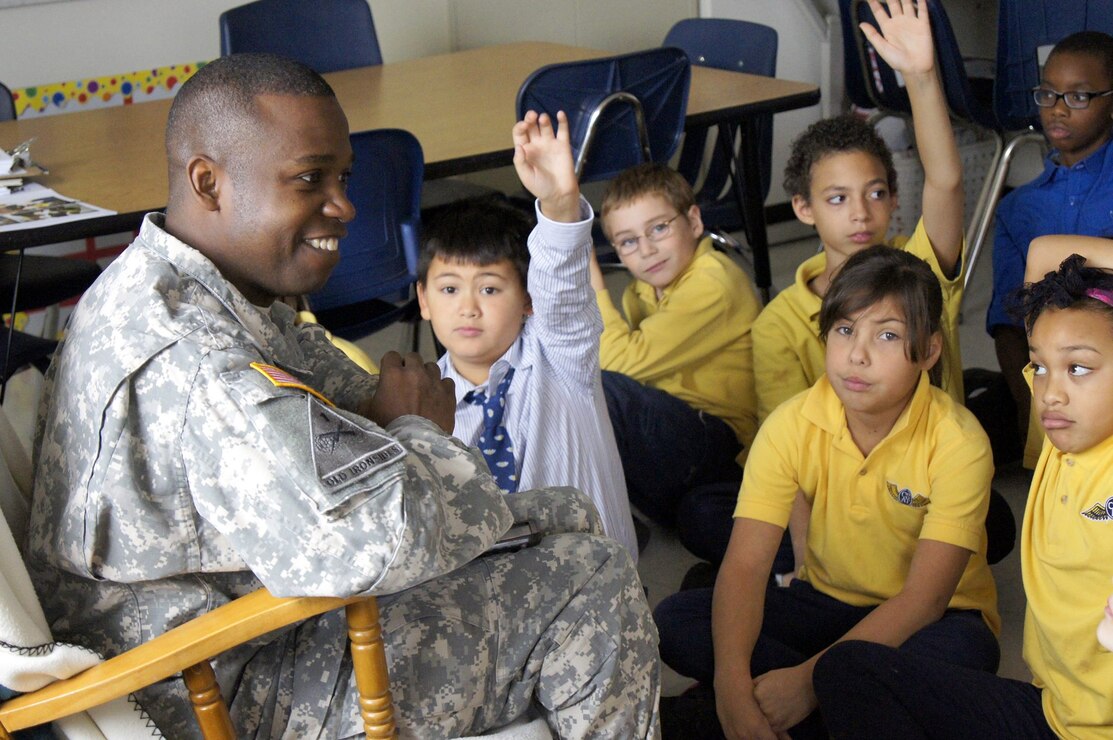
x=1073, y=194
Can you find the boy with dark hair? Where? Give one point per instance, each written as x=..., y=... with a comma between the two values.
x=1073, y=194
x=522, y=332
x=678, y=369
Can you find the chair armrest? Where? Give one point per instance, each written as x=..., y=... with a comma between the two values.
x=199, y=639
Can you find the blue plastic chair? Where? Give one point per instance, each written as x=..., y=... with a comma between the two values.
x=7, y=105
x=327, y=35
x=371, y=286
x=870, y=82
x=622, y=110
x=737, y=46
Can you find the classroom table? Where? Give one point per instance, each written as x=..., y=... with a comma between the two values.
x=459, y=105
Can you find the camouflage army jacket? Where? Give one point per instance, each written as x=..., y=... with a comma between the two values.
x=192, y=446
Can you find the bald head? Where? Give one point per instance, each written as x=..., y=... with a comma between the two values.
x=214, y=113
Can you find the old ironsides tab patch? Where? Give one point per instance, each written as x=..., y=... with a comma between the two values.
x=283, y=379
x=344, y=452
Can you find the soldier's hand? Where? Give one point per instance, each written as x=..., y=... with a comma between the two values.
x=409, y=385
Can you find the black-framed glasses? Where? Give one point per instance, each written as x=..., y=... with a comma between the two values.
x=657, y=232
x=1075, y=99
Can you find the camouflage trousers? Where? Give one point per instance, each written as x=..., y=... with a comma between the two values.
x=562, y=626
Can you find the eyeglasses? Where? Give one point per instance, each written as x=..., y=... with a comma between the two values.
x=656, y=233
x=1075, y=99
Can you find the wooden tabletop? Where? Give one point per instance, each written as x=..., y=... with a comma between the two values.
x=459, y=105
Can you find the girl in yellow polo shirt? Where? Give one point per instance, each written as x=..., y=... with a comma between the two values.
x=1066, y=550
x=897, y=477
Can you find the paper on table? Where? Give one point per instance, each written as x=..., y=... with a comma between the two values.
x=36, y=206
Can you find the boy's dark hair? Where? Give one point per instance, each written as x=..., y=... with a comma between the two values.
x=1067, y=287
x=881, y=272
x=1093, y=43
x=477, y=231
x=645, y=179
x=834, y=136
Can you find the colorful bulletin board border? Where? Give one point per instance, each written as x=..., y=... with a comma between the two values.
x=102, y=92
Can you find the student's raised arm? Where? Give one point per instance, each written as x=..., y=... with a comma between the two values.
x=543, y=161
x=1046, y=253
x=905, y=43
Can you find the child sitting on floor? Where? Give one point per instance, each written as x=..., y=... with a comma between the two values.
x=1073, y=195
x=841, y=177
x=896, y=477
x=523, y=349
x=678, y=369
x=1066, y=547
x=842, y=180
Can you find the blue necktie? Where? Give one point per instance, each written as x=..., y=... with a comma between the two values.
x=495, y=442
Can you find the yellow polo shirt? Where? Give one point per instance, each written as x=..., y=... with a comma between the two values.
x=788, y=353
x=694, y=342
x=927, y=479
x=1066, y=557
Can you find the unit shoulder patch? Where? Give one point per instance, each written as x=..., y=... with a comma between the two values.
x=343, y=451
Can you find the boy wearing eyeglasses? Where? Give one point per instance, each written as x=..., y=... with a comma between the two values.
x=1073, y=194
x=678, y=369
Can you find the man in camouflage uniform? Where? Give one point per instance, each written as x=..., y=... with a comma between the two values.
x=195, y=444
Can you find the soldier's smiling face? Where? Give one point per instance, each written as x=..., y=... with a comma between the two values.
x=284, y=203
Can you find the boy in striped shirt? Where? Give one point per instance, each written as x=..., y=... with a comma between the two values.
x=521, y=329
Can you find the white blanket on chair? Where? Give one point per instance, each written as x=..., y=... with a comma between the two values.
x=29, y=658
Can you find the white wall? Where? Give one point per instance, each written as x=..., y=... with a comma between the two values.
x=74, y=39
x=613, y=25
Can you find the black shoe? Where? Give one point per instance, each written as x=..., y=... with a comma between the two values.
x=690, y=716
x=700, y=575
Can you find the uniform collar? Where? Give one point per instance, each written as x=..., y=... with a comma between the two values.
x=810, y=268
x=265, y=325
x=824, y=409
x=512, y=358
x=1097, y=163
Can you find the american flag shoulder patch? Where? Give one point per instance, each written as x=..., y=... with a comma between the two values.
x=283, y=379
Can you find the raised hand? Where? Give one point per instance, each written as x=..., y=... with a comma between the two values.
x=904, y=40
x=409, y=385
x=543, y=160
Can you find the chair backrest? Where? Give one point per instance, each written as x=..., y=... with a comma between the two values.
x=7, y=104
x=867, y=72
x=1024, y=28
x=657, y=78
x=327, y=35
x=738, y=46
x=378, y=257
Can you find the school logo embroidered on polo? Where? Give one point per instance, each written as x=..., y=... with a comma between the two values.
x=343, y=451
x=283, y=379
x=1102, y=511
x=905, y=497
